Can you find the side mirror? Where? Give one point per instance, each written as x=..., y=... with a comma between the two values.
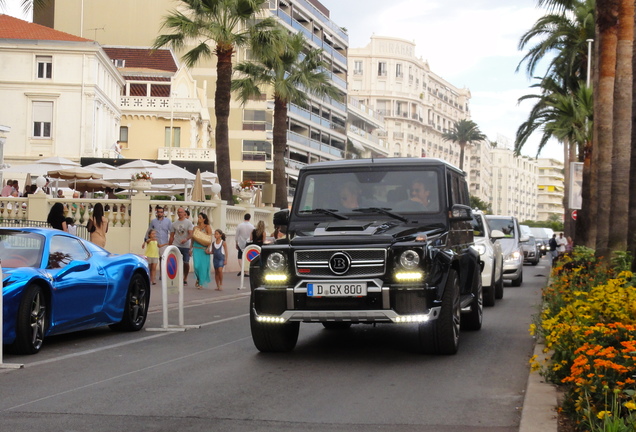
x=524, y=238
x=281, y=218
x=460, y=212
x=496, y=234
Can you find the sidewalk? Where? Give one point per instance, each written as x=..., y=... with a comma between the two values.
x=191, y=295
x=538, y=413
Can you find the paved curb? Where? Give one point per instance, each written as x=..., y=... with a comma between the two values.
x=539, y=405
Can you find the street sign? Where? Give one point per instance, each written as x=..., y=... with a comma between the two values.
x=574, y=214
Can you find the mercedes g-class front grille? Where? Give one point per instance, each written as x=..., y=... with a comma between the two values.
x=349, y=263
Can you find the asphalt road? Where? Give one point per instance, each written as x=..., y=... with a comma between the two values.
x=213, y=379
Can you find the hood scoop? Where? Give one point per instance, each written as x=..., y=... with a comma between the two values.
x=347, y=227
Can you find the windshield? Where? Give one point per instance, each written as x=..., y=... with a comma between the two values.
x=20, y=249
x=397, y=191
x=506, y=226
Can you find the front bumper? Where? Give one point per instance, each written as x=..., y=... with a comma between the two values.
x=512, y=270
x=402, y=303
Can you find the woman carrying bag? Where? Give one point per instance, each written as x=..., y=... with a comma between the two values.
x=201, y=240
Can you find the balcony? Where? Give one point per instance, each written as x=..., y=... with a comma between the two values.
x=181, y=153
x=159, y=104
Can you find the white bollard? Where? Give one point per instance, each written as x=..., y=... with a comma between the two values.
x=172, y=277
x=2, y=364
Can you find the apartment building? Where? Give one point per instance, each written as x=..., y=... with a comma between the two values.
x=417, y=104
x=479, y=170
x=514, y=184
x=366, y=134
x=61, y=94
x=164, y=115
x=551, y=187
x=316, y=132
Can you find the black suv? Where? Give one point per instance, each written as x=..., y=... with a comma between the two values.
x=371, y=241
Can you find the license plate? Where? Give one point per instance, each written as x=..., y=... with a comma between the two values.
x=337, y=289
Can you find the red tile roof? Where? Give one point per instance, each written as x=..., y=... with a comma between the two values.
x=160, y=59
x=14, y=28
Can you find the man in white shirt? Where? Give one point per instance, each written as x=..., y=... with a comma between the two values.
x=243, y=235
x=561, y=244
x=180, y=236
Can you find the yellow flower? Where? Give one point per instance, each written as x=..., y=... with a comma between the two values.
x=630, y=405
x=601, y=415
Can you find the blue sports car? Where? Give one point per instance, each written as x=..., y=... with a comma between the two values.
x=55, y=283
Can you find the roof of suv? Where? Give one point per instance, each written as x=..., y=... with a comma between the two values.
x=385, y=162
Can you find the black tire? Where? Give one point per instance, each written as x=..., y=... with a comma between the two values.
x=535, y=262
x=136, y=306
x=336, y=325
x=499, y=285
x=32, y=321
x=517, y=282
x=472, y=320
x=273, y=337
x=441, y=336
x=489, y=292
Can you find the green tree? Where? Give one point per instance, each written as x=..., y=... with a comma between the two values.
x=293, y=72
x=217, y=28
x=463, y=132
x=480, y=204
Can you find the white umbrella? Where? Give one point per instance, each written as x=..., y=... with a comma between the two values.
x=41, y=167
x=171, y=173
x=74, y=173
x=139, y=165
x=93, y=185
x=209, y=176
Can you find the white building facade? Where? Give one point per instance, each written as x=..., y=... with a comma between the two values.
x=551, y=186
x=514, y=185
x=64, y=94
x=418, y=105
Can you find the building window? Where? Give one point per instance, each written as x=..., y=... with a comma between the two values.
x=42, y=119
x=257, y=150
x=382, y=69
x=123, y=134
x=357, y=67
x=45, y=65
x=259, y=177
x=398, y=70
x=176, y=137
x=254, y=120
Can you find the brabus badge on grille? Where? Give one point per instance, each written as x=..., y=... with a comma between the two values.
x=339, y=263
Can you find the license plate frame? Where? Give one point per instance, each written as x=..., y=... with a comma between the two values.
x=337, y=289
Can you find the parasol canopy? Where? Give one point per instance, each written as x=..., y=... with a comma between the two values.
x=74, y=173
x=93, y=185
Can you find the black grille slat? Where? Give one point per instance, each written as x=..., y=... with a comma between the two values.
x=364, y=262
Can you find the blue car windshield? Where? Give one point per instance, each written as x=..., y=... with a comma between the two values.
x=20, y=249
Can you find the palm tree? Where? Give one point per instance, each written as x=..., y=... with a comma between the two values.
x=607, y=20
x=217, y=28
x=293, y=73
x=464, y=132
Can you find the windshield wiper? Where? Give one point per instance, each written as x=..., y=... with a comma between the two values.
x=382, y=210
x=330, y=212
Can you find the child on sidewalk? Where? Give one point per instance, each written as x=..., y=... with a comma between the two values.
x=218, y=249
x=152, y=253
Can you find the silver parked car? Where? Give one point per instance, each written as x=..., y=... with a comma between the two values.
x=510, y=246
x=491, y=256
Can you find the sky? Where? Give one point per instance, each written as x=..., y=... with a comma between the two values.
x=469, y=43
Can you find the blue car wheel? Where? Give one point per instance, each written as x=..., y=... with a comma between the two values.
x=31, y=322
x=136, y=306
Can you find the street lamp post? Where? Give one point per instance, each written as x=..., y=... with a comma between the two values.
x=589, y=60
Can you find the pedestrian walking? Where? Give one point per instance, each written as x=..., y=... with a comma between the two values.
x=162, y=225
x=98, y=226
x=243, y=235
x=553, y=248
x=56, y=217
x=200, y=252
x=181, y=236
x=219, y=257
x=152, y=254
x=259, y=234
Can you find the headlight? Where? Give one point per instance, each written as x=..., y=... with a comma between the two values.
x=480, y=248
x=276, y=261
x=409, y=259
x=515, y=256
